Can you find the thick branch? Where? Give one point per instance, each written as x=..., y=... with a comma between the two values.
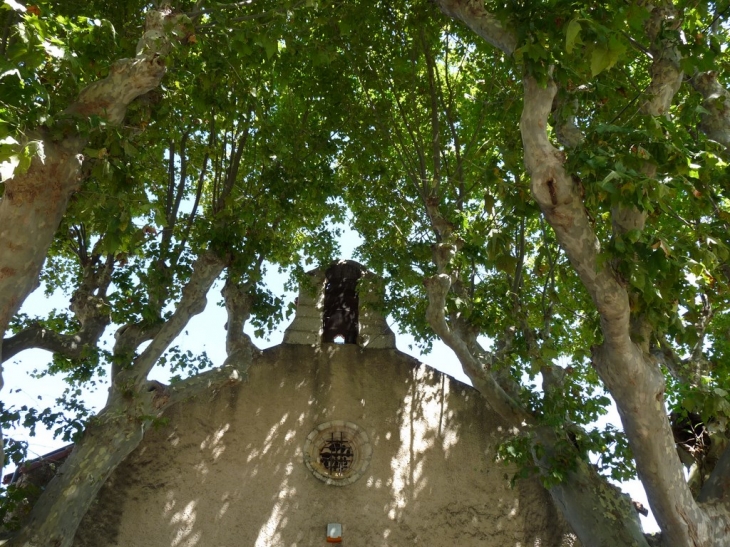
x=566, y=129
x=634, y=381
x=666, y=75
x=206, y=270
x=510, y=410
x=716, y=122
x=34, y=202
x=129, y=78
x=91, y=311
x=238, y=305
x=584, y=495
x=71, y=346
x=30, y=212
x=478, y=19
x=717, y=487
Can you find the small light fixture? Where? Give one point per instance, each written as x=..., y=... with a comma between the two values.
x=334, y=532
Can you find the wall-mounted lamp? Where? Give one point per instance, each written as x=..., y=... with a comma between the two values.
x=334, y=532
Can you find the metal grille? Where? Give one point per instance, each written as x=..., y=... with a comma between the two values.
x=336, y=455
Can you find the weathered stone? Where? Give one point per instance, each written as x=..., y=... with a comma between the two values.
x=229, y=469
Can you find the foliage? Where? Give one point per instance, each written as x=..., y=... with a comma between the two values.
x=277, y=119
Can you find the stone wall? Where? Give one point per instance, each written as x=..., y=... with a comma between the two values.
x=228, y=468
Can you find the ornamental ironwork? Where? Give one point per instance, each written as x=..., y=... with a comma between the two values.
x=336, y=455
x=337, y=452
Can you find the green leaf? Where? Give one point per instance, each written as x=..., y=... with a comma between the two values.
x=636, y=16
x=129, y=149
x=604, y=57
x=600, y=60
x=572, y=35
x=269, y=45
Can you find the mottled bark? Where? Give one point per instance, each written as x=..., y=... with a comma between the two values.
x=30, y=212
x=566, y=129
x=206, y=269
x=508, y=408
x=483, y=23
x=133, y=403
x=106, y=443
x=716, y=100
x=666, y=74
x=34, y=202
x=634, y=380
x=627, y=370
x=598, y=513
x=238, y=306
x=717, y=487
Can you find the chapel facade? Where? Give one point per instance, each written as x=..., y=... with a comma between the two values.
x=335, y=436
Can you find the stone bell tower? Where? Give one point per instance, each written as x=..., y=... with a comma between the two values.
x=337, y=305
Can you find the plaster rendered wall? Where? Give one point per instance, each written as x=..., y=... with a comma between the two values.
x=227, y=470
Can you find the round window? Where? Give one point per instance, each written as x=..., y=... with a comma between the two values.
x=337, y=452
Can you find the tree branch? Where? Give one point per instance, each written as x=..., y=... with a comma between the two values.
x=666, y=74
x=483, y=23
x=635, y=383
x=129, y=78
x=716, y=122
x=206, y=270
x=90, y=310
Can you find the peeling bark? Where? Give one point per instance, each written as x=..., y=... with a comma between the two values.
x=30, y=212
x=666, y=74
x=483, y=23
x=566, y=129
x=599, y=514
x=118, y=429
x=716, y=122
x=34, y=202
x=634, y=380
x=238, y=344
x=57, y=514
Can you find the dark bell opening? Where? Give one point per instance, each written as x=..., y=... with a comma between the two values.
x=341, y=304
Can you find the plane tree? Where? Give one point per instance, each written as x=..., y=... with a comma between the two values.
x=545, y=190
x=70, y=72
x=542, y=184
x=231, y=175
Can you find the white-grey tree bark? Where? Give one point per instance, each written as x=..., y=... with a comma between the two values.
x=34, y=202
x=133, y=403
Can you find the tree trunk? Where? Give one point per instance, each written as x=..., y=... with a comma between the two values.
x=34, y=202
x=112, y=436
x=635, y=382
x=133, y=401
x=600, y=515
x=30, y=212
x=109, y=438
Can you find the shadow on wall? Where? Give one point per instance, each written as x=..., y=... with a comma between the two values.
x=228, y=470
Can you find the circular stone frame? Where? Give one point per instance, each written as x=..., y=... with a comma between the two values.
x=362, y=451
